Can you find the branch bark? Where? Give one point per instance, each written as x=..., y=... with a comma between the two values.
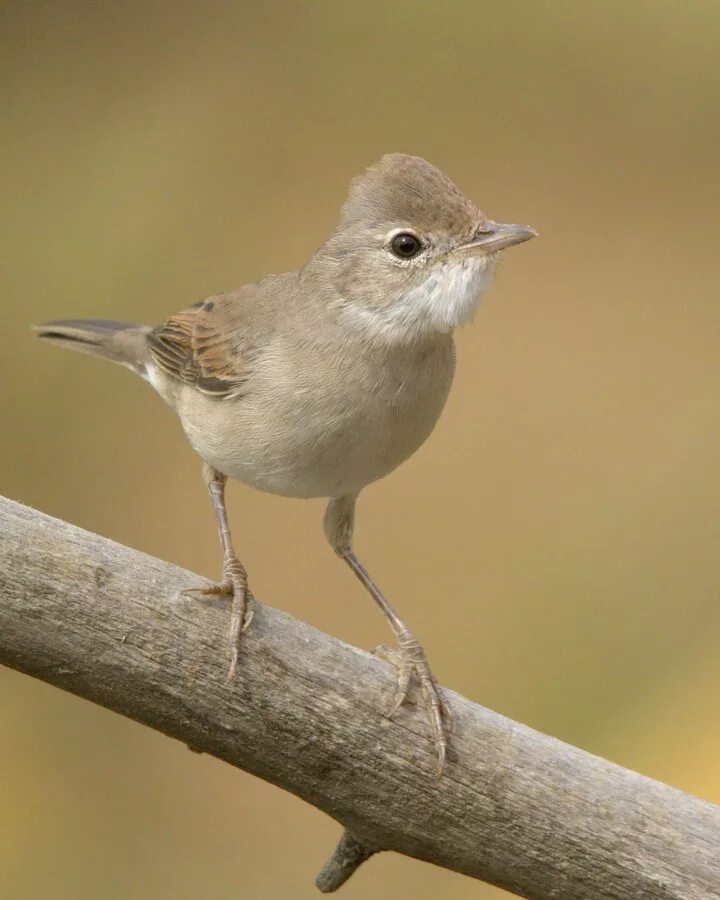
x=516, y=808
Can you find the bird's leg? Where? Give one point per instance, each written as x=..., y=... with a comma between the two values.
x=235, y=583
x=339, y=519
x=412, y=661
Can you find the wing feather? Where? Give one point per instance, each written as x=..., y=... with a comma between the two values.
x=204, y=345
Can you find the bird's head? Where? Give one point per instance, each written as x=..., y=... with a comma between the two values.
x=411, y=253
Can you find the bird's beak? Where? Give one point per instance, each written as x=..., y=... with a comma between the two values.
x=495, y=236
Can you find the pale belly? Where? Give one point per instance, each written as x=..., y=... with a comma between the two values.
x=300, y=445
x=301, y=457
x=325, y=427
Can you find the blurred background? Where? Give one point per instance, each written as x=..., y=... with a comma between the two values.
x=554, y=544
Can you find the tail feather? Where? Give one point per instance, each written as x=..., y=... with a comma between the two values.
x=121, y=342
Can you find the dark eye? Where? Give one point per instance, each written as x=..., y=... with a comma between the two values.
x=406, y=245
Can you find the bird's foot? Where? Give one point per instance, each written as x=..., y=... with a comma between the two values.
x=221, y=589
x=410, y=660
x=242, y=611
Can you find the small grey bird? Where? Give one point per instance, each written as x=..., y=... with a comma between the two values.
x=316, y=383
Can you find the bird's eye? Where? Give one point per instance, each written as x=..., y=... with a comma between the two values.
x=406, y=245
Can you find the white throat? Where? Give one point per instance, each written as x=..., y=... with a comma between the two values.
x=446, y=299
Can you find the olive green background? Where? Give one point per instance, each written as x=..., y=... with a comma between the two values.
x=555, y=543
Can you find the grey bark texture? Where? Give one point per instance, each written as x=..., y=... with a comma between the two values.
x=514, y=807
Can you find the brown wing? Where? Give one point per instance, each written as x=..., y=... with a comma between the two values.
x=205, y=346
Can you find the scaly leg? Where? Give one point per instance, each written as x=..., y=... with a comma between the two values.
x=235, y=583
x=339, y=520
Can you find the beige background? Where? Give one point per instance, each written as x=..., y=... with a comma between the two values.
x=555, y=543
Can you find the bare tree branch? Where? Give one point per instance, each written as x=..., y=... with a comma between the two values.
x=514, y=807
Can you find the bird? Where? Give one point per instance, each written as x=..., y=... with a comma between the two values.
x=320, y=381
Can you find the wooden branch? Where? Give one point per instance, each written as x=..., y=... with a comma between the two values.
x=514, y=807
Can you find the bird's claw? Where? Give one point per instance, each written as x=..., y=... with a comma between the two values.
x=243, y=610
x=223, y=589
x=410, y=660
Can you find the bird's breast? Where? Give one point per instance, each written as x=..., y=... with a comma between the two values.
x=322, y=427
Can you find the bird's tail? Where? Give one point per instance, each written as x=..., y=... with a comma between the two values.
x=121, y=342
